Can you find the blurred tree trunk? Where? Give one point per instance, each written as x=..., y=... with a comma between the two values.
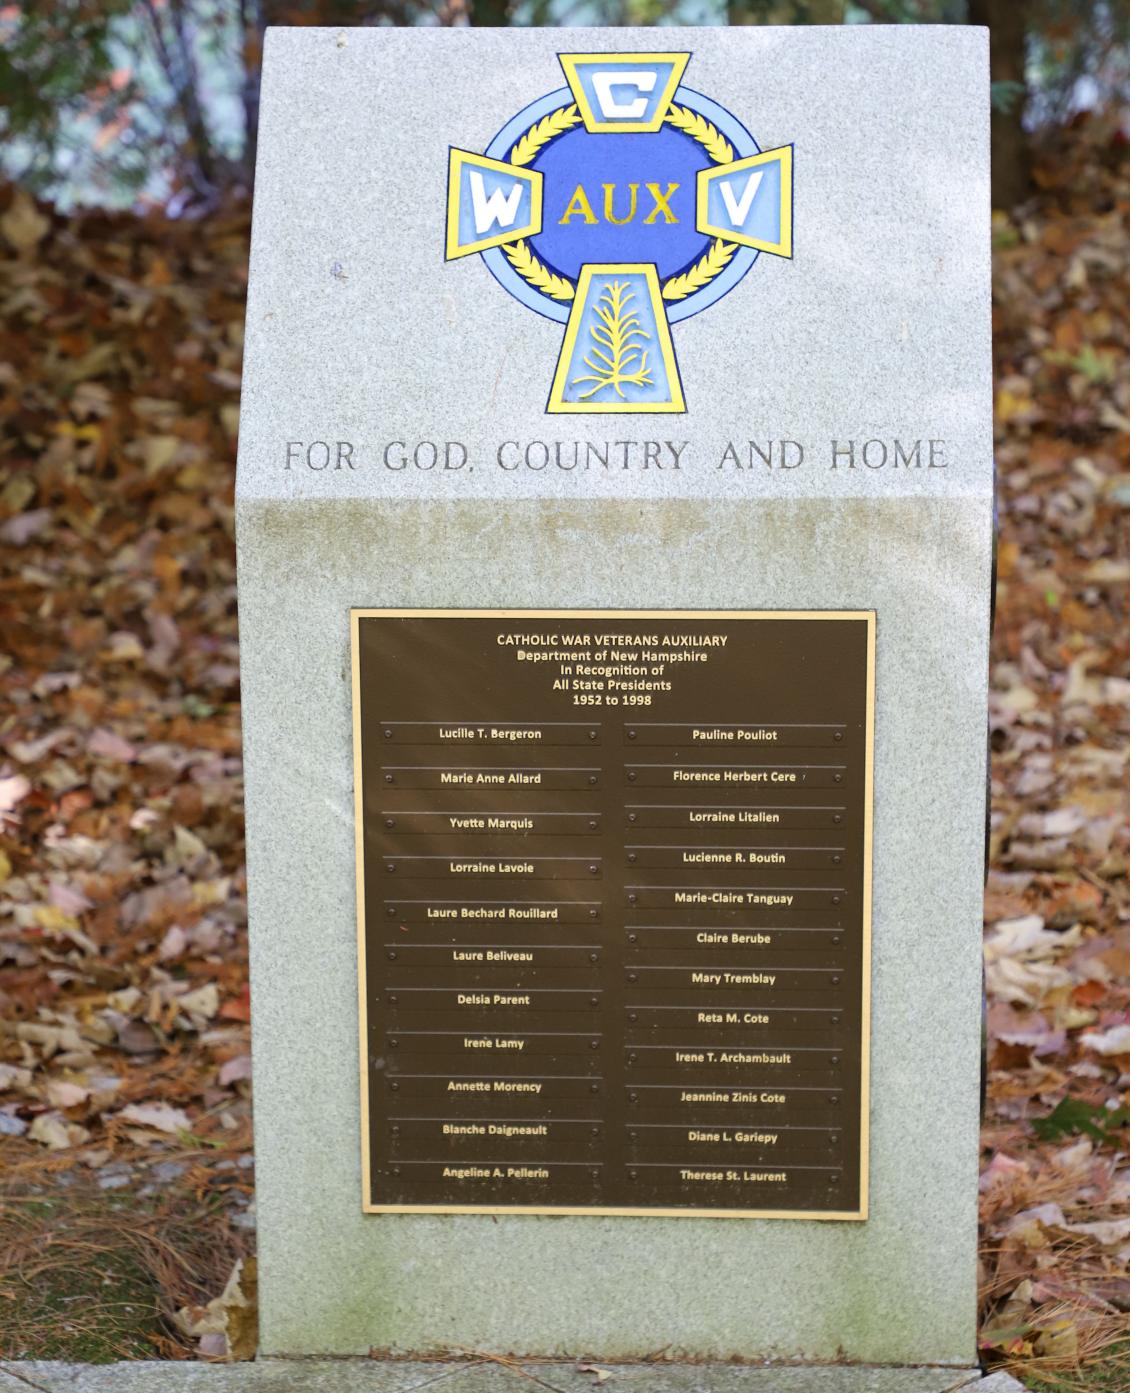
x=1007, y=23
x=785, y=12
x=253, y=26
x=173, y=48
x=490, y=13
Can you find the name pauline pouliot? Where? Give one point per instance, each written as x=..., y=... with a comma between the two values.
x=453, y=457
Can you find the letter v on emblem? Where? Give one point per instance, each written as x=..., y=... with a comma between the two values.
x=761, y=214
x=738, y=208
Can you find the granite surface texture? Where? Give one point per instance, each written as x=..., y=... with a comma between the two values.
x=898, y=1288
x=878, y=328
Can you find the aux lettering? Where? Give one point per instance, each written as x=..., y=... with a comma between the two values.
x=619, y=239
x=581, y=206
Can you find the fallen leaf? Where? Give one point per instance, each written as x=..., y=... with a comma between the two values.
x=234, y=1069
x=110, y=746
x=160, y=1116
x=13, y=789
x=23, y=225
x=229, y=1322
x=1113, y=1041
x=63, y=1094
x=17, y=531
x=204, y=1001
x=56, y=1133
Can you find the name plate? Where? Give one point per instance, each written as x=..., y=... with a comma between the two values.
x=614, y=910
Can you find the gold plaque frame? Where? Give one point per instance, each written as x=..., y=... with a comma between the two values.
x=866, y=616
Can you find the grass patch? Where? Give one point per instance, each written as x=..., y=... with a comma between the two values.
x=1106, y=1371
x=92, y=1277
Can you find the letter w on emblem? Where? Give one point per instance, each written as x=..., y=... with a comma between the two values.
x=499, y=208
x=489, y=203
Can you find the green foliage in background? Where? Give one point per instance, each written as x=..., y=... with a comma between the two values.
x=1072, y=1117
x=103, y=99
x=106, y=101
x=56, y=63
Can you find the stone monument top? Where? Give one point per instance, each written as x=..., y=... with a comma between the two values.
x=811, y=202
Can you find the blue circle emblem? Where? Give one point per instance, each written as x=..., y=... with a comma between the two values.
x=580, y=157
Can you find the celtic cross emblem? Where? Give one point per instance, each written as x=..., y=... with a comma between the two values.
x=619, y=206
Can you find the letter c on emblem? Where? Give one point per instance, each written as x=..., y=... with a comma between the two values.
x=610, y=108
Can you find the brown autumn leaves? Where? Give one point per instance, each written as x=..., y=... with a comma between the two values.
x=124, y=1064
x=1055, y=1192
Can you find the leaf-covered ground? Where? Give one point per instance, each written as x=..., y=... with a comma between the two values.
x=125, y=1124
x=124, y=1059
x=1056, y=1179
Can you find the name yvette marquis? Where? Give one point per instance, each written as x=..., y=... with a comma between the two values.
x=614, y=456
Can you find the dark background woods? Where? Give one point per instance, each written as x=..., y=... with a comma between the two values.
x=127, y=1218
x=108, y=100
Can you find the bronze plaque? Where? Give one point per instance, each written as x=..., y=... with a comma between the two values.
x=614, y=882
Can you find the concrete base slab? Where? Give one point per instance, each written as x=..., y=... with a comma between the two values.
x=263, y=1376
x=407, y=1376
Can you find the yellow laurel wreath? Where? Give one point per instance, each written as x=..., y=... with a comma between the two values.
x=525, y=150
x=542, y=132
x=521, y=257
x=716, y=259
x=700, y=129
